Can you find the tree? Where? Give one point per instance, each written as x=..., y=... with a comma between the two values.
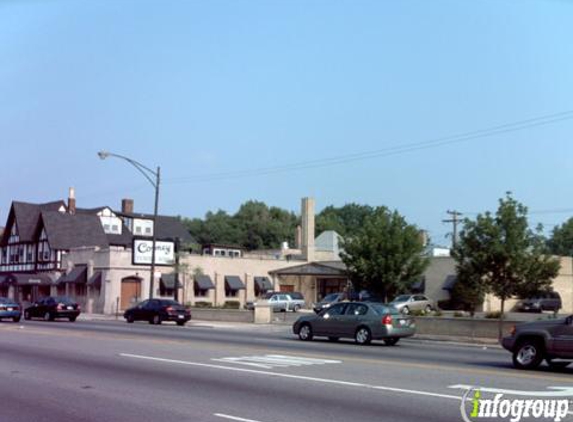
x=253, y=226
x=502, y=255
x=385, y=254
x=345, y=220
x=561, y=241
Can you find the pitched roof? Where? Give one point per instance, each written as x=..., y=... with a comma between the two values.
x=319, y=268
x=67, y=231
x=167, y=227
x=26, y=216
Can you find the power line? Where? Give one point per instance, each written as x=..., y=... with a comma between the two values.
x=385, y=152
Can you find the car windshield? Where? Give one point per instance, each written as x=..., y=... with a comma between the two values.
x=331, y=297
x=402, y=298
x=64, y=299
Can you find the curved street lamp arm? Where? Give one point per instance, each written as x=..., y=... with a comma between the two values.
x=140, y=167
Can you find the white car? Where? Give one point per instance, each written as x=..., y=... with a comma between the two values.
x=280, y=302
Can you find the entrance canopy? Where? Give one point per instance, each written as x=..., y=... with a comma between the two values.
x=31, y=279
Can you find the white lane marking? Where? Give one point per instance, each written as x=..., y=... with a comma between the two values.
x=557, y=391
x=233, y=418
x=275, y=361
x=296, y=377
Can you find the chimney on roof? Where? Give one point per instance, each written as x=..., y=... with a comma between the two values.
x=72, y=201
x=307, y=217
x=127, y=206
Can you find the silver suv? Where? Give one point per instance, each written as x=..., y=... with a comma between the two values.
x=408, y=303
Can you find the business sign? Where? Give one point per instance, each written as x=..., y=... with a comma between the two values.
x=142, y=249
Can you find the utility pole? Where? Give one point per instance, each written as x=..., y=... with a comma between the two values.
x=454, y=220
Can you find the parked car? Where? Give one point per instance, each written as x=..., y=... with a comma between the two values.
x=532, y=342
x=155, y=311
x=51, y=307
x=279, y=302
x=417, y=302
x=547, y=301
x=366, y=296
x=327, y=301
x=362, y=321
x=10, y=309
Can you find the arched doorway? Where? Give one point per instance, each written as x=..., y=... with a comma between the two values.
x=130, y=291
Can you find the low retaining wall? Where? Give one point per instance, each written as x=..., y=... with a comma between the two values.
x=227, y=315
x=462, y=327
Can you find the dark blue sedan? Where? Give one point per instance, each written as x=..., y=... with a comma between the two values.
x=10, y=309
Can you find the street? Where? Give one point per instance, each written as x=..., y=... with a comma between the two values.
x=112, y=371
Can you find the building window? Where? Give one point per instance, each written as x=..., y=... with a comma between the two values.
x=231, y=293
x=201, y=292
x=138, y=230
x=148, y=230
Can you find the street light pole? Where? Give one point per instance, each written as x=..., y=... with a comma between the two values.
x=155, y=182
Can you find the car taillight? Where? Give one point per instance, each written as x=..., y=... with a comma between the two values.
x=387, y=320
x=78, y=307
x=60, y=307
x=169, y=309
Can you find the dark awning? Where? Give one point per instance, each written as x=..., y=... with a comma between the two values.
x=263, y=283
x=78, y=275
x=204, y=282
x=30, y=279
x=451, y=280
x=233, y=282
x=168, y=281
x=95, y=280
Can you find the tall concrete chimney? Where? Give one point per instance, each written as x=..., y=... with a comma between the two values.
x=72, y=201
x=298, y=238
x=127, y=206
x=307, y=216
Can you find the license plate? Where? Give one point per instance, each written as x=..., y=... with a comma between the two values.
x=70, y=308
x=181, y=316
x=403, y=322
x=10, y=309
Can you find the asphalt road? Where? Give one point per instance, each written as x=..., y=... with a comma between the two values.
x=112, y=371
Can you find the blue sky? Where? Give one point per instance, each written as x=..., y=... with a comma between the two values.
x=209, y=87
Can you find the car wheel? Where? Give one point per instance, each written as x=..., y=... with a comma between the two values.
x=48, y=316
x=27, y=316
x=363, y=336
x=405, y=310
x=181, y=323
x=558, y=364
x=528, y=354
x=333, y=339
x=428, y=309
x=72, y=319
x=296, y=308
x=16, y=319
x=391, y=341
x=130, y=319
x=157, y=320
x=305, y=332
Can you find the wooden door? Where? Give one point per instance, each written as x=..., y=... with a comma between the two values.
x=130, y=292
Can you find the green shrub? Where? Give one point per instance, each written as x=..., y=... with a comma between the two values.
x=232, y=304
x=493, y=315
x=458, y=314
x=203, y=304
